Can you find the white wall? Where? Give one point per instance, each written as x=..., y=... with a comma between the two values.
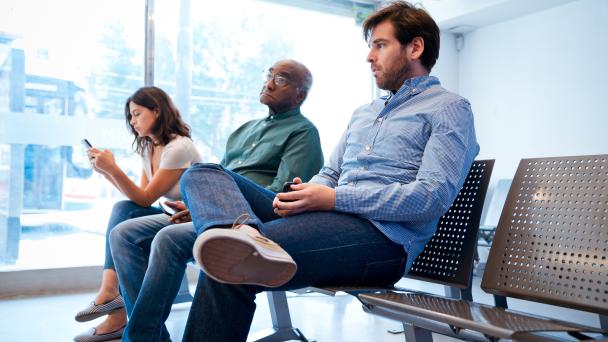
x=538, y=84
x=446, y=67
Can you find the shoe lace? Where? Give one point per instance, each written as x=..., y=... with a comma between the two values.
x=241, y=220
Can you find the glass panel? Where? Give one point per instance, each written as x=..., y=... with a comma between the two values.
x=210, y=56
x=64, y=76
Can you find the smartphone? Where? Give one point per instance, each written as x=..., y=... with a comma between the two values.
x=86, y=144
x=166, y=209
x=287, y=186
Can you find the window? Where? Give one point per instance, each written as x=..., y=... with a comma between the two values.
x=221, y=51
x=64, y=76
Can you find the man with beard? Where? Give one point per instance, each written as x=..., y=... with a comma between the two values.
x=364, y=218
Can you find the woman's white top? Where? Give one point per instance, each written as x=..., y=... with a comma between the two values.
x=179, y=153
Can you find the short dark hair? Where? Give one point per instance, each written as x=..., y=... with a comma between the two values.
x=409, y=22
x=169, y=122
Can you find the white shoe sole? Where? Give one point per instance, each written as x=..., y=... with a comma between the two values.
x=229, y=256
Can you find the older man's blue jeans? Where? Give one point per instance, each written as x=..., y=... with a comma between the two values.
x=150, y=255
x=330, y=249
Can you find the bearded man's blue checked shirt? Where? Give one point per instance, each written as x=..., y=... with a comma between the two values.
x=402, y=164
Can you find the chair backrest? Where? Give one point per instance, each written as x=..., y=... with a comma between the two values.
x=448, y=257
x=551, y=243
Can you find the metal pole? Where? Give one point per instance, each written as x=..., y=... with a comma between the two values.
x=10, y=225
x=149, y=41
x=183, y=81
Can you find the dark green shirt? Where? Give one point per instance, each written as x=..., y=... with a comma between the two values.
x=274, y=150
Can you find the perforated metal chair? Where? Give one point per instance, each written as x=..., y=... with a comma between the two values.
x=448, y=257
x=557, y=234
x=551, y=246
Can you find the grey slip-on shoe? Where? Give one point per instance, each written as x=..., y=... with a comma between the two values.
x=90, y=336
x=97, y=310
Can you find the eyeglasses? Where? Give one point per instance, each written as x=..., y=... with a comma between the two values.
x=278, y=80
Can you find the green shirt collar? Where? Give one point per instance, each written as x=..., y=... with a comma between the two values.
x=281, y=116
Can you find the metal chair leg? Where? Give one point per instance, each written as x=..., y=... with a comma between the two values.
x=416, y=334
x=281, y=330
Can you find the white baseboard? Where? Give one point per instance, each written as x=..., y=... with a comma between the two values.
x=49, y=281
x=61, y=280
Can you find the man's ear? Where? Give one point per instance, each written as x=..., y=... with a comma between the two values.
x=300, y=97
x=416, y=47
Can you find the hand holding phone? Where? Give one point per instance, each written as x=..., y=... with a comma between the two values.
x=87, y=145
x=177, y=211
x=166, y=209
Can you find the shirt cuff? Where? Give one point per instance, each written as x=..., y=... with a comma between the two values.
x=347, y=199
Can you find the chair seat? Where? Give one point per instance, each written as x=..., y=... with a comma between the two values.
x=489, y=320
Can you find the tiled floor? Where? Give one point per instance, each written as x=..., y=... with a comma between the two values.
x=319, y=317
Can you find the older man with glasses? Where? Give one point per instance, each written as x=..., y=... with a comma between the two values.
x=151, y=257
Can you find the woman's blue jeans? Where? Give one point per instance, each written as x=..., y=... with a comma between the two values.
x=330, y=249
x=122, y=211
x=151, y=256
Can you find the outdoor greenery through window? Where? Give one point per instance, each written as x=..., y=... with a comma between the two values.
x=66, y=68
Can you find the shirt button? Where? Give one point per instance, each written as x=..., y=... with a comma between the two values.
x=264, y=125
x=239, y=162
x=253, y=145
x=367, y=148
x=379, y=119
x=271, y=117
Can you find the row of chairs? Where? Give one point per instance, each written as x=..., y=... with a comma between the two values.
x=550, y=246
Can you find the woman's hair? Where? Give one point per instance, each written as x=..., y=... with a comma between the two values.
x=168, y=124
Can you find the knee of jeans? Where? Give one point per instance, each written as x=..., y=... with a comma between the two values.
x=184, y=182
x=186, y=178
x=166, y=244
x=117, y=235
x=203, y=166
x=121, y=206
x=193, y=173
x=162, y=239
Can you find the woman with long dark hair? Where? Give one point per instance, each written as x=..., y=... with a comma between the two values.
x=163, y=141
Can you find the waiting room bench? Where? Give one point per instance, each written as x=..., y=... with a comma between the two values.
x=550, y=246
x=447, y=258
